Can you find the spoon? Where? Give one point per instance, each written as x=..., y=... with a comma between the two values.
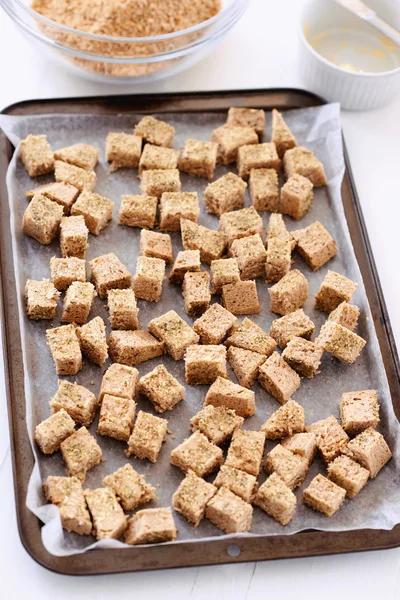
x=366, y=13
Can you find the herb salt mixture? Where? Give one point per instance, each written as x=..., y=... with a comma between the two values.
x=123, y=18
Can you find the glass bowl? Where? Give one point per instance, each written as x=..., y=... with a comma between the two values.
x=124, y=59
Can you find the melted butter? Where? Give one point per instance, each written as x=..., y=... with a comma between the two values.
x=389, y=45
x=347, y=67
x=356, y=50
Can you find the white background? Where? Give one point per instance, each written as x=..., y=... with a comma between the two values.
x=260, y=52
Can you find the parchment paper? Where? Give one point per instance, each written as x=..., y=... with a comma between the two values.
x=377, y=506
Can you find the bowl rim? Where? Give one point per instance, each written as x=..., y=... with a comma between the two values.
x=332, y=65
x=225, y=11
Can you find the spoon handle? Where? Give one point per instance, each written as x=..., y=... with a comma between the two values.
x=385, y=28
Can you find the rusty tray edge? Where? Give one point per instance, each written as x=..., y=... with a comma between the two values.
x=310, y=543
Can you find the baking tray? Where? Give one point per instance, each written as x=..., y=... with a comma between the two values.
x=306, y=543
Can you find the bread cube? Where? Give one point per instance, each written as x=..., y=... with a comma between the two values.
x=348, y=474
x=186, y=260
x=334, y=290
x=73, y=236
x=315, y=245
x=241, y=298
x=249, y=336
x=196, y=237
x=116, y=417
x=289, y=294
x=295, y=324
x=84, y=156
x=151, y=526
x=324, y=495
x=148, y=435
x=330, y=437
x=123, y=150
x=109, y=520
x=230, y=395
x=158, y=157
x=138, y=211
x=277, y=230
x=161, y=388
x=246, y=451
x=148, y=279
x=36, y=155
x=131, y=489
x=156, y=245
x=278, y=259
x=304, y=444
x=76, y=176
x=64, y=194
x=280, y=380
x=119, y=380
x=224, y=194
x=196, y=292
x=108, y=273
x=80, y=452
x=65, y=271
x=197, y=454
x=230, y=139
x=282, y=137
x=93, y=341
x=191, y=497
x=67, y=494
x=303, y=162
x=42, y=219
x=276, y=499
x=175, y=206
x=217, y=423
x=214, y=324
x=171, y=329
x=52, y=431
x=96, y=210
x=80, y=403
x=303, y=356
x=370, y=449
x=199, y=158
x=41, y=299
x=123, y=310
x=247, y=117
x=264, y=189
x=78, y=301
x=65, y=349
x=343, y=344
x=256, y=156
x=279, y=244
x=157, y=181
x=245, y=364
x=237, y=481
x=203, y=364
x=240, y=223
x=229, y=512
x=155, y=131
x=57, y=489
x=359, y=411
x=291, y=468
x=224, y=271
x=251, y=256
x=345, y=315
x=133, y=347
x=285, y=421
x=296, y=197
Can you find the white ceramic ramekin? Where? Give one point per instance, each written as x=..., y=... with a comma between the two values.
x=354, y=90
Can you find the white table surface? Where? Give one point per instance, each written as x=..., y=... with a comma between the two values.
x=259, y=52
